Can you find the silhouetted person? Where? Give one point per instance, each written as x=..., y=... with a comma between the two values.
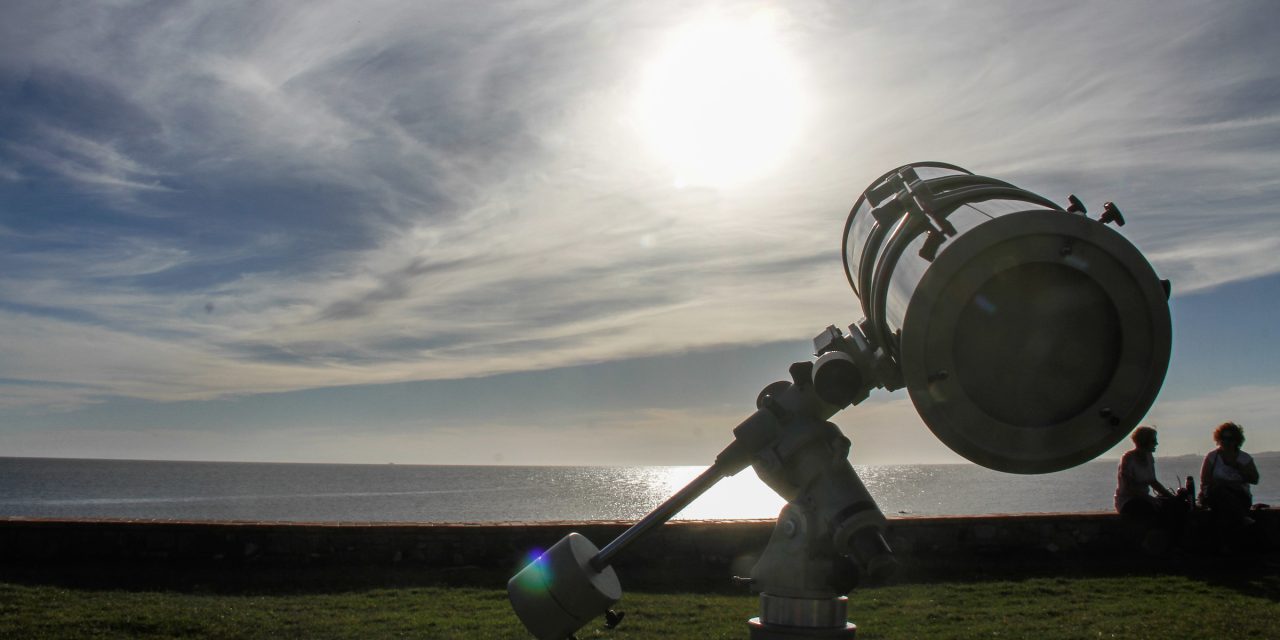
x=1225, y=478
x=1136, y=478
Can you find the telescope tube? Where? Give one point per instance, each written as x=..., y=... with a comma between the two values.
x=1030, y=337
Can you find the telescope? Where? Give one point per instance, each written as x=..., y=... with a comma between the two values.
x=1030, y=337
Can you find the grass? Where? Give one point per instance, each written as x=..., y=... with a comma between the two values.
x=1044, y=608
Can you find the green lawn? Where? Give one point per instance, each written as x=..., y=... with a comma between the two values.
x=1148, y=606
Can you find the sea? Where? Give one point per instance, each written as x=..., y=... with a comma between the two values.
x=290, y=492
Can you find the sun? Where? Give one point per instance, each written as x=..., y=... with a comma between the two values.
x=721, y=103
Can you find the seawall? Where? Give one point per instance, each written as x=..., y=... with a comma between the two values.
x=688, y=551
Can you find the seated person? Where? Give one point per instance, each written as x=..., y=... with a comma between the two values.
x=1226, y=475
x=1136, y=477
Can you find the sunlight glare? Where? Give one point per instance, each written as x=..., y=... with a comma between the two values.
x=721, y=104
x=742, y=496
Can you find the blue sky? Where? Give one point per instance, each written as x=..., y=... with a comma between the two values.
x=573, y=232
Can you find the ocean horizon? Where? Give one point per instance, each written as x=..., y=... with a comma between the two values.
x=327, y=492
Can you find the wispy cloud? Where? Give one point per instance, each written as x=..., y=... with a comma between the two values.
x=207, y=200
x=90, y=164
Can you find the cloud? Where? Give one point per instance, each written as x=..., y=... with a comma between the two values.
x=92, y=165
x=1220, y=256
x=219, y=200
x=1186, y=423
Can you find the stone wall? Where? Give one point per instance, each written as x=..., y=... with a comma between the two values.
x=689, y=551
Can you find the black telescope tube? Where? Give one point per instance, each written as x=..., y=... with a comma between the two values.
x=663, y=513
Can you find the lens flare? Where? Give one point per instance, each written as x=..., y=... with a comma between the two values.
x=535, y=568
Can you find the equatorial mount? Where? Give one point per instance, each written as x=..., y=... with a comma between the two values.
x=1030, y=338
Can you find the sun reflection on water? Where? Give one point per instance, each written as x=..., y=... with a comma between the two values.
x=628, y=493
x=742, y=496
x=901, y=489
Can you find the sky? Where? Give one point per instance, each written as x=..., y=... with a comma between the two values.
x=574, y=232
